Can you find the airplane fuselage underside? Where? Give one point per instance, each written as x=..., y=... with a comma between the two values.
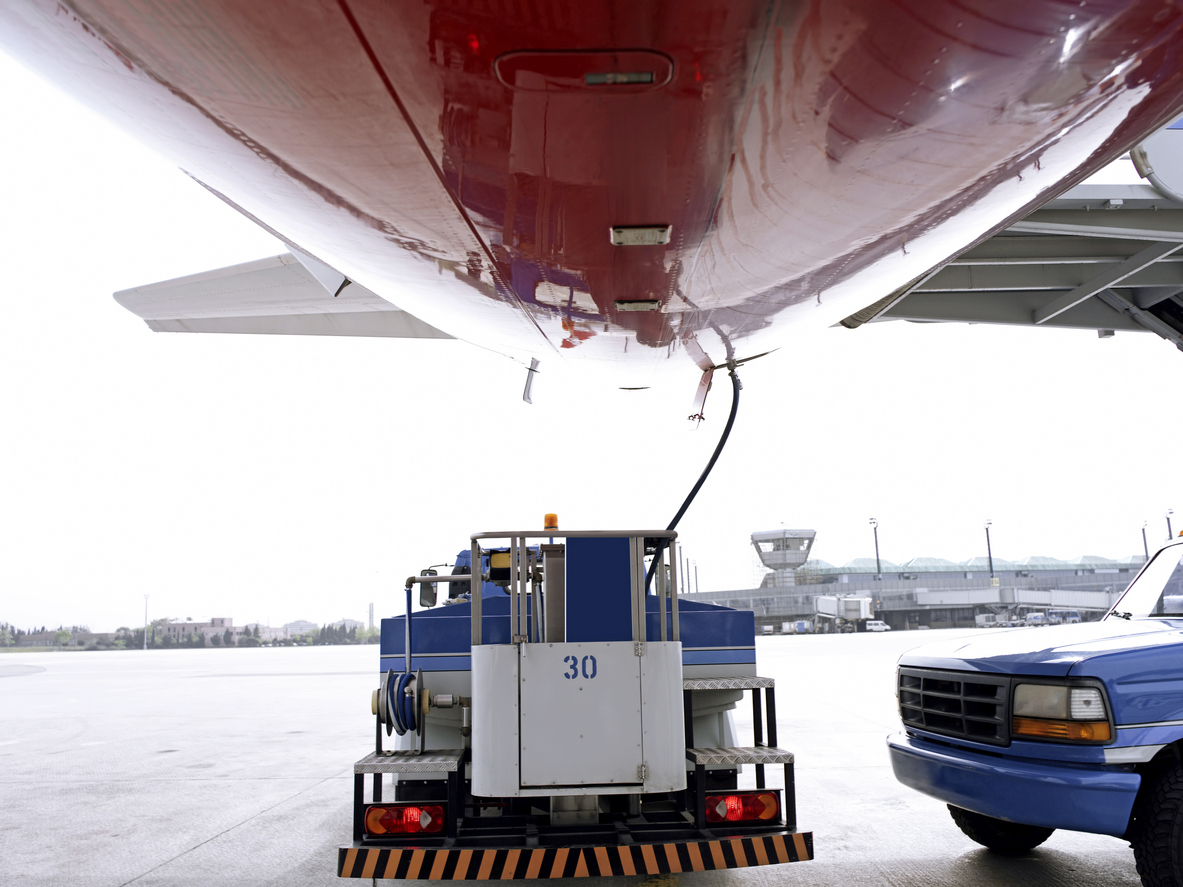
x=506, y=171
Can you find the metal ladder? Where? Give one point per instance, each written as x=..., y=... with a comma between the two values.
x=761, y=753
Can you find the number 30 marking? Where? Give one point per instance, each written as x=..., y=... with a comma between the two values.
x=587, y=666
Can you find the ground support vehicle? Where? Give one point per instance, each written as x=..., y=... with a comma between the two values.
x=841, y=613
x=560, y=721
x=1075, y=727
x=1063, y=617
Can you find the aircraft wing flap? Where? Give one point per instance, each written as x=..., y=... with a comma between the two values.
x=274, y=296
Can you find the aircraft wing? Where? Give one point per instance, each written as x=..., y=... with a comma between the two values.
x=1103, y=257
x=285, y=295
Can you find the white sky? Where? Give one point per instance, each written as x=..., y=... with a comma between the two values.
x=276, y=478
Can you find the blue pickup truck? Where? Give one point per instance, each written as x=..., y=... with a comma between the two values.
x=1074, y=727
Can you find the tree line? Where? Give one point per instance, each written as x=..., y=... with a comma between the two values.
x=159, y=638
x=10, y=635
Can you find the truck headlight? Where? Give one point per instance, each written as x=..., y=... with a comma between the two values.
x=1059, y=711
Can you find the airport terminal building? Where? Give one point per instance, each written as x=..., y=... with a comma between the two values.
x=925, y=591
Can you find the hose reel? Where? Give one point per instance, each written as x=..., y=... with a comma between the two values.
x=402, y=702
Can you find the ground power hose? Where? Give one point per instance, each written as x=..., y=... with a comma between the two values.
x=736, y=387
x=401, y=705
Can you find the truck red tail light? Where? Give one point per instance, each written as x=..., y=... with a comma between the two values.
x=754, y=806
x=404, y=819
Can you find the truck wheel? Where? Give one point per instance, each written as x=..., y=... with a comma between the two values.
x=1009, y=838
x=1157, y=831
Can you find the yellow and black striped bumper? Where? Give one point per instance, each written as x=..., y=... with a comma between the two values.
x=500, y=864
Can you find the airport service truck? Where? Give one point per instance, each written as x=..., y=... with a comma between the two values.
x=563, y=713
x=1075, y=726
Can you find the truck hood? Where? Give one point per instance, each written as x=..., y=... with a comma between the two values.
x=1051, y=651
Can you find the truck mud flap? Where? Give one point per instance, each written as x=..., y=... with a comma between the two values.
x=453, y=864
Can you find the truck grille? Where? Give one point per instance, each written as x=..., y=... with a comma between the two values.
x=956, y=703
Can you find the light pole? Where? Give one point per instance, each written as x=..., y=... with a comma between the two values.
x=875, y=529
x=1145, y=547
x=145, y=622
x=989, y=552
x=1170, y=532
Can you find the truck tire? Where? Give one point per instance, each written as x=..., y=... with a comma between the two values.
x=1157, y=831
x=1009, y=838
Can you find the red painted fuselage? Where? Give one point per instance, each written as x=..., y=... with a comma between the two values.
x=467, y=160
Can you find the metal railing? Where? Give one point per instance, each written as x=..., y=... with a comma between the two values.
x=526, y=597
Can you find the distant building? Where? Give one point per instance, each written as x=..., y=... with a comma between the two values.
x=181, y=631
x=301, y=626
x=926, y=590
x=267, y=633
x=39, y=639
x=348, y=624
x=782, y=552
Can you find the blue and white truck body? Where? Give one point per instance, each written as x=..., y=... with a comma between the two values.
x=565, y=713
x=1074, y=727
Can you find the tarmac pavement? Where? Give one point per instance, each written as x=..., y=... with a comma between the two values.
x=233, y=767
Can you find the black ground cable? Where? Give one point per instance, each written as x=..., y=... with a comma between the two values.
x=736, y=387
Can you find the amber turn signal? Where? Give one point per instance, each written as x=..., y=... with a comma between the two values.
x=1079, y=731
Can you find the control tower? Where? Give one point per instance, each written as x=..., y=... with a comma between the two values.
x=782, y=551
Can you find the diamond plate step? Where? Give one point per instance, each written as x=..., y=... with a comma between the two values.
x=729, y=757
